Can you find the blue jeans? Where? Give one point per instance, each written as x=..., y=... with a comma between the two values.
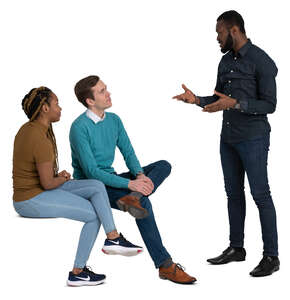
x=249, y=157
x=81, y=200
x=157, y=172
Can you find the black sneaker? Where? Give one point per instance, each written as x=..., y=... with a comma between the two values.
x=86, y=277
x=121, y=246
x=267, y=266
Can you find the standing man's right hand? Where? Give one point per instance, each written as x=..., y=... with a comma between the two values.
x=187, y=97
x=142, y=186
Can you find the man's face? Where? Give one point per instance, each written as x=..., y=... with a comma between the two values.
x=224, y=37
x=102, y=98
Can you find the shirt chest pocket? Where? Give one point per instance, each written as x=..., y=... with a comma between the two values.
x=238, y=73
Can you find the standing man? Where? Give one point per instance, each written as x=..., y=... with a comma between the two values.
x=246, y=92
x=94, y=136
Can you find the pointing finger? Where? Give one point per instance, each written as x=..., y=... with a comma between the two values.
x=178, y=97
x=185, y=88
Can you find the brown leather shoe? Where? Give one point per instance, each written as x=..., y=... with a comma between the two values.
x=132, y=205
x=176, y=274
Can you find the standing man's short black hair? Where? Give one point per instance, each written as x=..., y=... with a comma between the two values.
x=232, y=18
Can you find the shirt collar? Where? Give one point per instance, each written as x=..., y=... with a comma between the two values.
x=94, y=117
x=244, y=49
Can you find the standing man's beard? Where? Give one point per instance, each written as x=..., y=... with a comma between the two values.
x=228, y=44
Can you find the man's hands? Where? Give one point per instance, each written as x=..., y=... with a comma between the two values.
x=187, y=97
x=224, y=102
x=141, y=184
x=64, y=174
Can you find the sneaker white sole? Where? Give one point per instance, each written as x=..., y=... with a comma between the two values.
x=83, y=282
x=118, y=250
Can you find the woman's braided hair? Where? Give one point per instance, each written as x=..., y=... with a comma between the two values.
x=32, y=104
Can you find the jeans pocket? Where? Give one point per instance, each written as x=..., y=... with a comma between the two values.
x=26, y=209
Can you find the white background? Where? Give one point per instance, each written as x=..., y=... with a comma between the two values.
x=143, y=51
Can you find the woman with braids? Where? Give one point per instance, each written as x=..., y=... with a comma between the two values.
x=40, y=191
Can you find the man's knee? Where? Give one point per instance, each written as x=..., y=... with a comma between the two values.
x=263, y=199
x=165, y=166
x=235, y=195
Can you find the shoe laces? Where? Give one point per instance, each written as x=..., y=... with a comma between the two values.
x=88, y=270
x=123, y=238
x=180, y=267
x=265, y=260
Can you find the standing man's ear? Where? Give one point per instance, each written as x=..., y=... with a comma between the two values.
x=234, y=30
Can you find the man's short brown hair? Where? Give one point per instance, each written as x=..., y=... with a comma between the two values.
x=83, y=88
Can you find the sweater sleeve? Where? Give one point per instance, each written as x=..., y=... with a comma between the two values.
x=80, y=146
x=127, y=150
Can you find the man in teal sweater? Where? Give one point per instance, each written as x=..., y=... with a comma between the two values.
x=94, y=136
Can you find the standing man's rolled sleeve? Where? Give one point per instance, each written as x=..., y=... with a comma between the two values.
x=266, y=91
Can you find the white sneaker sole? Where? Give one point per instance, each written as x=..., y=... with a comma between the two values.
x=118, y=250
x=83, y=282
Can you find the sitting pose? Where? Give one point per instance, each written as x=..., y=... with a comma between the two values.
x=94, y=136
x=41, y=192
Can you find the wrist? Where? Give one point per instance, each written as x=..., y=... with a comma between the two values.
x=237, y=105
x=232, y=103
x=63, y=179
x=196, y=100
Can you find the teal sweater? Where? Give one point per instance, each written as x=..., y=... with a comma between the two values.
x=93, y=149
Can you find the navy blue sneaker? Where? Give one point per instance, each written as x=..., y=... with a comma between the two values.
x=121, y=246
x=86, y=277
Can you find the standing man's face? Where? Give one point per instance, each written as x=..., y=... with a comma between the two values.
x=102, y=98
x=224, y=37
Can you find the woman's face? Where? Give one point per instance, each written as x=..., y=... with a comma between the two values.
x=53, y=110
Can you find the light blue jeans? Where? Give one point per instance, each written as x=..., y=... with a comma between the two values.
x=81, y=200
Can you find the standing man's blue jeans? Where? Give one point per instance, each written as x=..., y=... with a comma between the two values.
x=249, y=157
x=157, y=172
x=81, y=200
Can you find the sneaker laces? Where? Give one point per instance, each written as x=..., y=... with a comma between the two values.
x=88, y=270
x=123, y=238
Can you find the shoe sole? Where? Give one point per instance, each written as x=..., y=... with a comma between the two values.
x=117, y=250
x=137, y=213
x=228, y=261
x=165, y=278
x=84, y=283
x=267, y=274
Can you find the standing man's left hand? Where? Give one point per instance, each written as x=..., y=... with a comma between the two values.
x=224, y=102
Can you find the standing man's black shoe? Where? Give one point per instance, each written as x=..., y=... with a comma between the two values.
x=267, y=266
x=230, y=254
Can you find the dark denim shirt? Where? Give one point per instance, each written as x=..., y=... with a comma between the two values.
x=249, y=77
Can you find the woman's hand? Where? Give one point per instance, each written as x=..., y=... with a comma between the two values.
x=64, y=174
